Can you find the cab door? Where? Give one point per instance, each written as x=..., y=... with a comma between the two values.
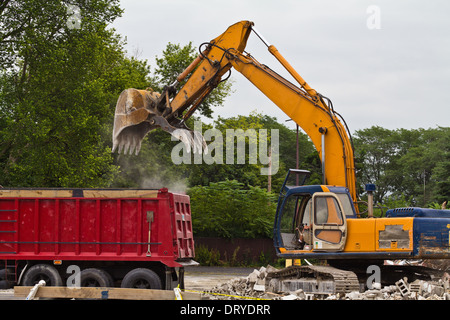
x=329, y=223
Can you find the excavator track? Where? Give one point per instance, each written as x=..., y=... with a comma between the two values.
x=316, y=279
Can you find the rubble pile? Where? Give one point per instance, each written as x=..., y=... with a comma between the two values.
x=256, y=286
x=253, y=286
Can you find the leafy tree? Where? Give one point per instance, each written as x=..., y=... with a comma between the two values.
x=25, y=23
x=246, y=172
x=413, y=164
x=174, y=60
x=249, y=172
x=423, y=166
x=441, y=173
x=229, y=209
x=375, y=147
x=58, y=92
x=288, y=143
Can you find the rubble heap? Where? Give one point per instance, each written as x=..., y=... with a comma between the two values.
x=256, y=286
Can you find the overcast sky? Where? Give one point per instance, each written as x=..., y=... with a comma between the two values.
x=392, y=72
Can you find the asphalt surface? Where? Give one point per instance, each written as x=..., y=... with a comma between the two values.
x=205, y=278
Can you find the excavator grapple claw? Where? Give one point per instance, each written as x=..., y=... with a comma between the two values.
x=137, y=113
x=191, y=139
x=130, y=119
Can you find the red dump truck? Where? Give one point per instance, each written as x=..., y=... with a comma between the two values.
x=95, y=237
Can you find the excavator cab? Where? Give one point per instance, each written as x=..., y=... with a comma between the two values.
x=311, y=218
x=328, y=224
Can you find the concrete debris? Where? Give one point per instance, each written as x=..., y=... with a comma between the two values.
x=256, y=286
x=402, y=287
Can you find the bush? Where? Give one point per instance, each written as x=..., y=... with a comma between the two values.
x=207, y=257
x=227, y=209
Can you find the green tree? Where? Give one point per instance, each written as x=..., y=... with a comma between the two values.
x=58, y=92
x=231, y=210
x=442, y=175
x=249, y=173
x=174, y=60
x=423, y=166
x=246, y=172
x=26, y=21
x=408, y=164
x=375, y=148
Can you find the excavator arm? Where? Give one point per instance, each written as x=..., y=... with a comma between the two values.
x=309, y=109
x=140, y=111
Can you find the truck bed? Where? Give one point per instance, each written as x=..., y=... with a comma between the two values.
x=95, y=224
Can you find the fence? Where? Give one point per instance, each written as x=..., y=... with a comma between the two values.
x=239, y=250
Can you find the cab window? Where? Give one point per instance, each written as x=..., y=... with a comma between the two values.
x=327, y=211
x=296, y=210
x=346, y=204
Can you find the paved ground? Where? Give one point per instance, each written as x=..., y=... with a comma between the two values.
x=205, y=278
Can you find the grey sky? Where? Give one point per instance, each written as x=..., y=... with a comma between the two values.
x=397, y=76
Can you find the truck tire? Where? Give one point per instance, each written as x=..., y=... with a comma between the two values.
x=141, y=278
x=6, y=278
x=44, y=272
x=93, y=277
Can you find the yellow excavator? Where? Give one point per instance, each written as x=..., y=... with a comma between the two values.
x=320, y=222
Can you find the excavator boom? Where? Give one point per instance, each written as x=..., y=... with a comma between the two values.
x=139, y=111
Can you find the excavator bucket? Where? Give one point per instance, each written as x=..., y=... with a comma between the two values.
x=137, y=113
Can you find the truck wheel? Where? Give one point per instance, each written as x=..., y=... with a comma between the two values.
x=42, y=272
x=96, y=278
x=6, y=283
x=141, y=278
